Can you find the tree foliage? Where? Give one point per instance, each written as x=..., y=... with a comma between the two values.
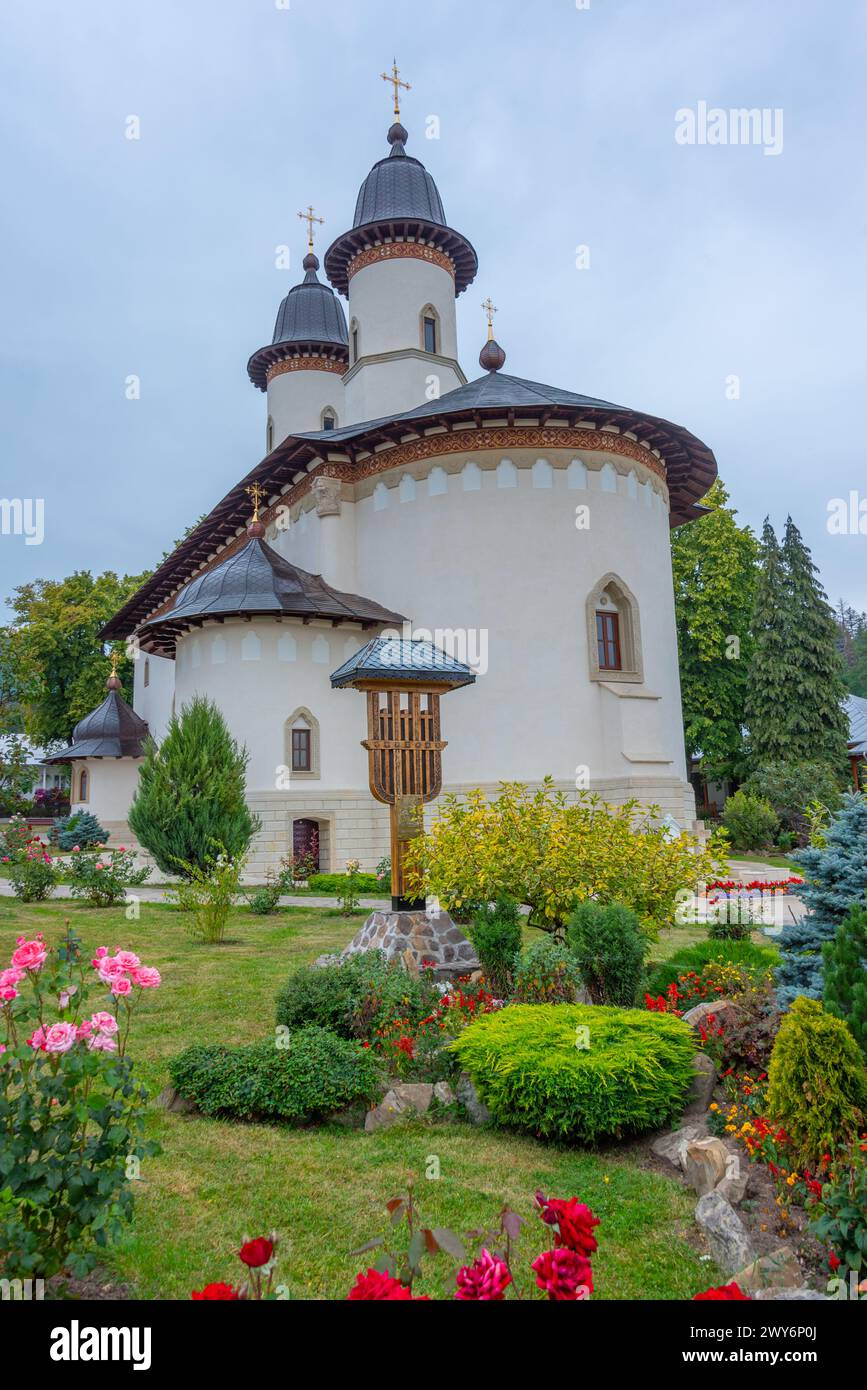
x=549, y=852
x=52, y=657
x=190, y=803
x=714, y=563
x=845, y=976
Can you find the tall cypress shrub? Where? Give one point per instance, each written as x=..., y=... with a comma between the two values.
x=190, y=799
x=816, y=725
x=769, y=670
x=836, y=881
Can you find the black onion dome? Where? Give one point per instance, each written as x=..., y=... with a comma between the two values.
x=112, y=730
x=398, y=186
x=399, y=201
x=309, y=320
x=256, y=580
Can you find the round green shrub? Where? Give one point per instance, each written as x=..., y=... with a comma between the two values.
x=81, y=828
x=756, y=959
x=547, y=973
x=750, y=820
x=355, y=997
x=817, y=1081
x=579, y=1071
x=296, y=1077
x=609, y=946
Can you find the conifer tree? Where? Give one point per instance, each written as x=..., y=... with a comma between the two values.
x=816, y=725
x=714, y=563
x=770, y=663
x=845, y=982
x=190, y=804
x=836, y=881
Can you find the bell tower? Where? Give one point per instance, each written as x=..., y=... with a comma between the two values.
x=401, y=267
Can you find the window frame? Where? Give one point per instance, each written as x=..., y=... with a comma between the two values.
x=608, y=640
x=301, y=746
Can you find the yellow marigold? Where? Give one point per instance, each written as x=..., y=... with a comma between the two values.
x=713, y=1106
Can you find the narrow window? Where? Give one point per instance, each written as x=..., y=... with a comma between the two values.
x=329, y=420
x=269, y=436
x=608, y=641
x=83, y=780
x=147, y=672
x=301, y=750
x=355, y=342
x=430, y=334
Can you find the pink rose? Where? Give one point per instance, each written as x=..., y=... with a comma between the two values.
x=29, y=955
x=60, y=1037
x=99, y=866
x=128, y=959
x=122, y=850
x=37, y=1039
x=11, y=976
x=101, y=951
x=2, y=1049
x=109, y=968
x=8, y=993
x=101, y=1042
x=121, y=986
x=76, y=849
x=147, y=977
x=85, y=1028
x=104, y=1022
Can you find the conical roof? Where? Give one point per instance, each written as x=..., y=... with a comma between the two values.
x=398, y=186
x=256, y=580
x=112, y=730
x=310, y=320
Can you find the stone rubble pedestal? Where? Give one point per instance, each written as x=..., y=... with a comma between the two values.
x=425, y=937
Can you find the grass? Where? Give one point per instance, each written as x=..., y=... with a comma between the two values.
x=324, y=1189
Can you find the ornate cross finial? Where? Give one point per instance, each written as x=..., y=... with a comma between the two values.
x=395, y=81
x=310, y=218
x=255, y=493
x=490, y=309
x=115, y=658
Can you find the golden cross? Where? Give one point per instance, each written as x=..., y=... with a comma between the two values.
x=115, y=658
x=256, y=493
x=309, y=218
x=396, y=83
x=490, y=309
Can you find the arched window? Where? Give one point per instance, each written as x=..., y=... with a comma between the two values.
x=301, y=744
x=147, y=672
x=613, y=632
x=329, y=418
x=429, y=329
x=269, y=436
x=353, y=340
x=83, y=785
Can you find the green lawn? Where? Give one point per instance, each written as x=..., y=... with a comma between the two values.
x=324, y=1190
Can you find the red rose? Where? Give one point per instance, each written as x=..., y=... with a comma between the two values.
x=382, y=1287
x=563, y=1274
x=215, y=1293
x=724, y=1293
x=486, y=1279
x=833, y=1262
x=256, y=1252
x=574, y=1223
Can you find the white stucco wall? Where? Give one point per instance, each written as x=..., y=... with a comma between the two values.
x=112, y=783
x=153, y=701
x=297, y=399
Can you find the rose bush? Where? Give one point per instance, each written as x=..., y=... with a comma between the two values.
x=103, y=878
x=70, y=1107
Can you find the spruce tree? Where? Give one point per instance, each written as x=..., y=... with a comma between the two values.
x=845, y=983
x=190, y=801
x=816, y=725
x=836, y=881
x=771, y=663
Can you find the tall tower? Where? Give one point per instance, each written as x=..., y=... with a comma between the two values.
x=401, y=267
x=302, y=367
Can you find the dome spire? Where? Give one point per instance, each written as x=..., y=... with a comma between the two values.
x=113, y=682
x=255, y=530
x=491, y=356
x=396, y=83
x=311, y=261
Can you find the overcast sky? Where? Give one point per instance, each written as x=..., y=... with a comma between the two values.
x=155, y=257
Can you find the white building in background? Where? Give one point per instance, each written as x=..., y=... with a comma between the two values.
x=524, y=527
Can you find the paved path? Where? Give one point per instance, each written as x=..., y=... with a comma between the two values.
x=156, y=893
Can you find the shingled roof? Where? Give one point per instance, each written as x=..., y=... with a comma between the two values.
x=112, y=730
x=257, y=581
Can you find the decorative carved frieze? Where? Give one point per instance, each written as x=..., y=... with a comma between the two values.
x=326, y=494
x=394, y=250
x=305, y=364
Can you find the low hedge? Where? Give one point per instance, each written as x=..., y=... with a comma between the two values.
x=354, y=997
x=756, y=959
x=313, y=1074
x=537, y=1070
x=337, y=883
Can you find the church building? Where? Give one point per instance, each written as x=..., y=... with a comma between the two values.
x=520, y=527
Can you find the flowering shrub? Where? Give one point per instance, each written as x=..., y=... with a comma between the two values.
x=758, y=962
x=102, y=879
x=70, y=1108
x=356, y=996
x=258, y=1256
x=350, y=888
x=208, y=892
x=841, y=1208
x=33, y=876
x=264, y=899
x=417, y=1049
x=17, y=840
x=563, y=1273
